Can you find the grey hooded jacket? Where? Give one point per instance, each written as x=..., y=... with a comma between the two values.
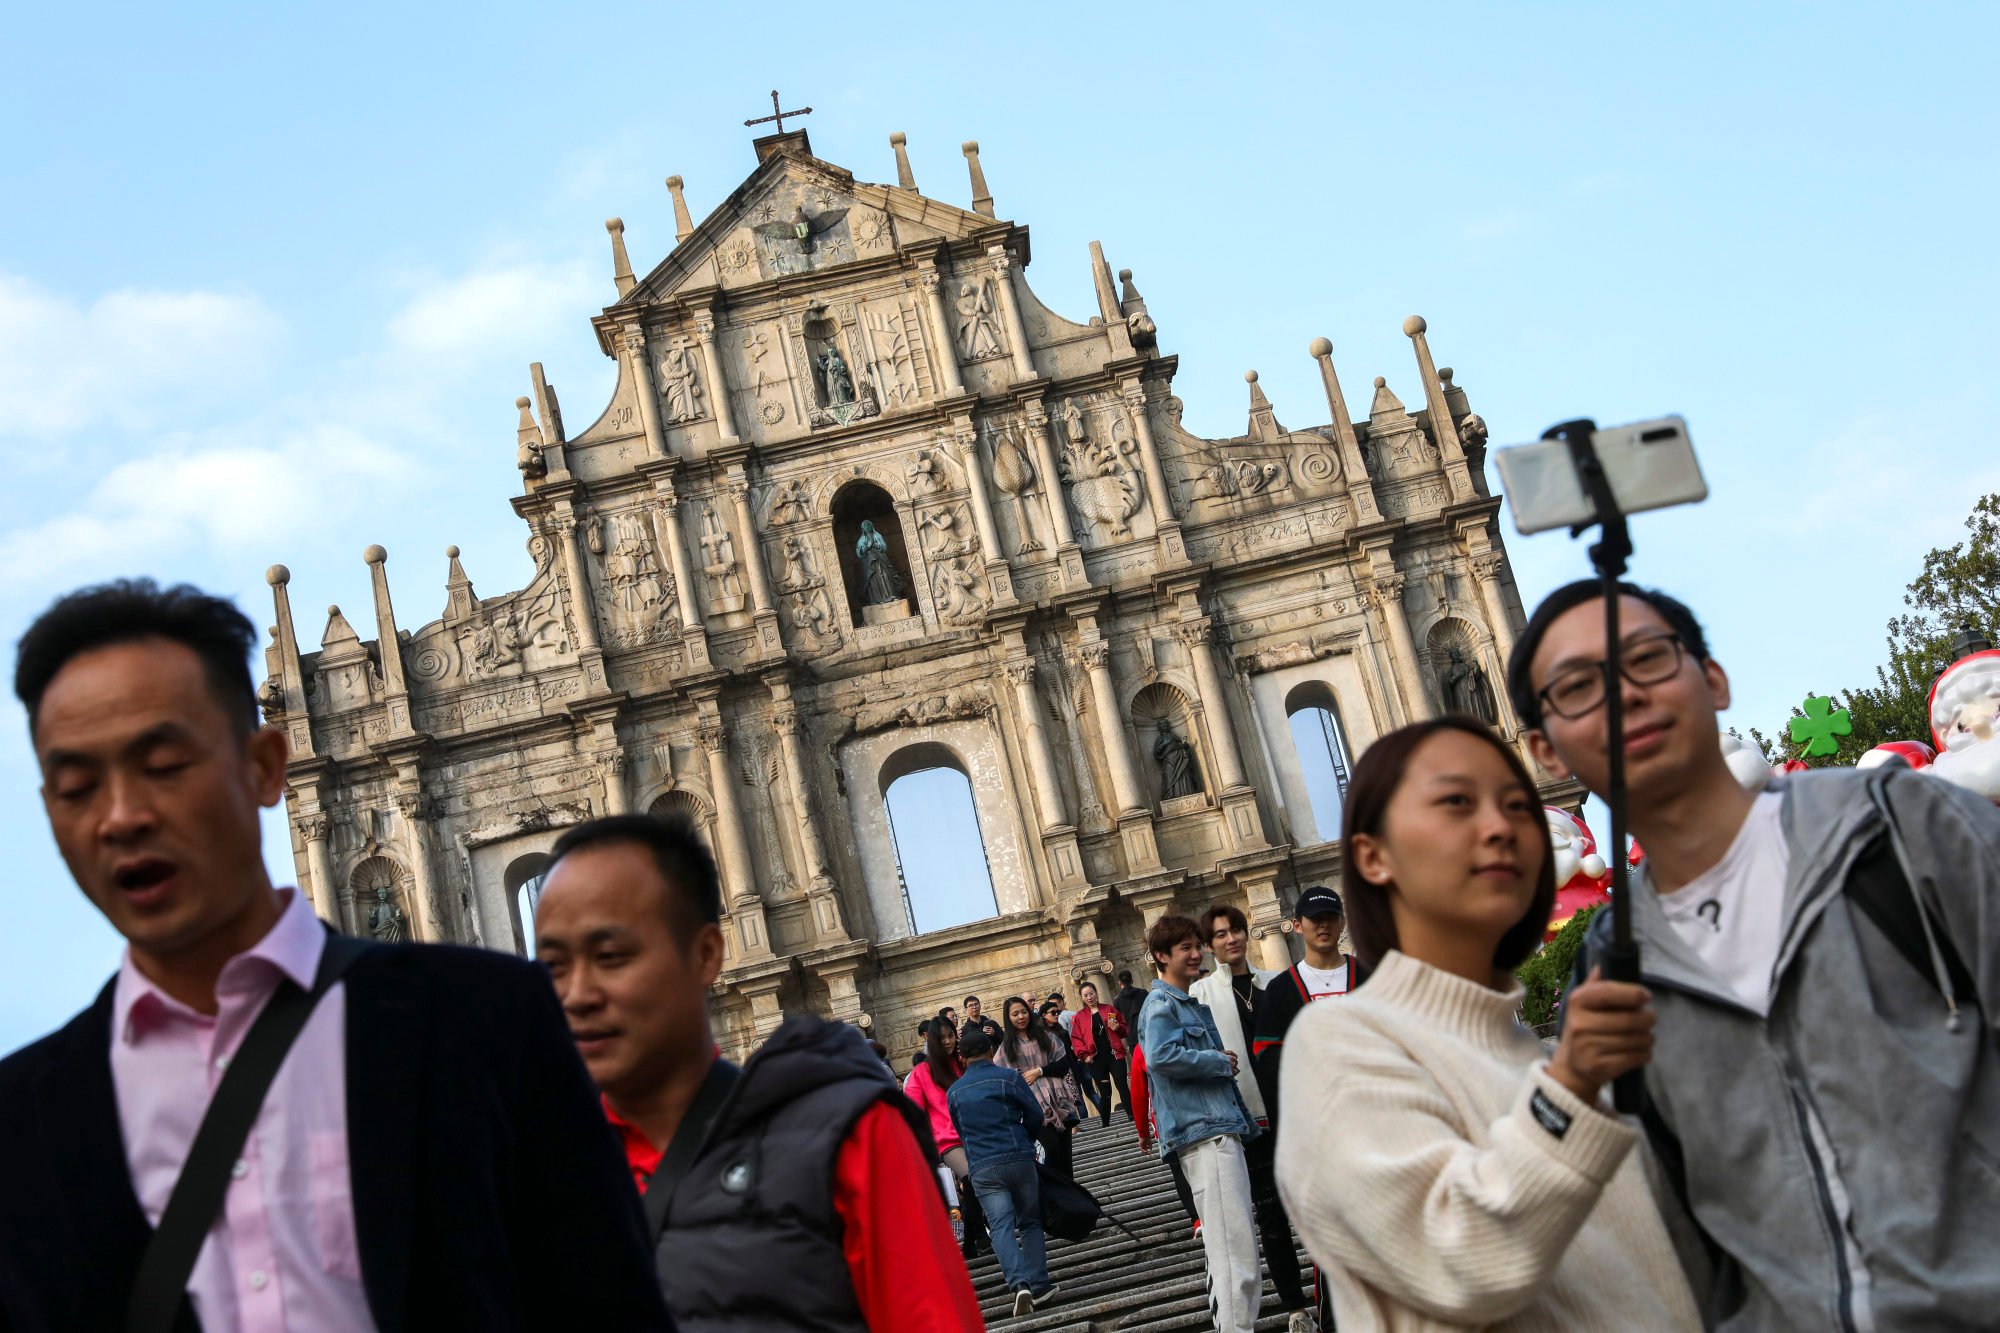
x=1860, y=1041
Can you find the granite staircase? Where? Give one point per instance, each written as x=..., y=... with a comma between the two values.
x=1107, y=1282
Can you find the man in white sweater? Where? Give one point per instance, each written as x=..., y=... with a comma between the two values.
x=1232, y=993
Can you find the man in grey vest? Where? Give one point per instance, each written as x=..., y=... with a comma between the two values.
x=797, y=1191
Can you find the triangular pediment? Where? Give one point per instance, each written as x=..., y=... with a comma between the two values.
x=796, y=215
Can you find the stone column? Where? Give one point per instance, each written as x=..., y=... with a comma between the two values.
x=317, y=830
x=1486, y=572
x=677, y=560
x=967, y=440
x=1041, y=761
x=634, y=340
x=945, y=354
x=822, y=891
x=1386, y=591
x=1044, y=427
x=739, y=877
x=611, y=768
x=1010, y=310
x=415, y=811
x=581, y=609
x=1134, y=394
x=1214, y=703
x=718, y=387
x=1125, y=786
x=753, y=549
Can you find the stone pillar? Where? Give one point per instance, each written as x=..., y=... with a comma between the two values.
x=1041, y=760
x=1354, y=472
x=581, y=609
x=1068, y=554
x=753, y=550
x=317, y=830
x=1125, y=786
x=1171, y=549
x=718, y=387
x=1386, y=590
x=430, y=923
x=1214, y=703
x=739, y=878
x=677, y=560
x=1486, y=572
x=945, y=347
x=1010, y=310
x=821, y=890
x=990, y=554
x=1457, y=470
x=611, y=768
x=388, y=643
x=634, y=340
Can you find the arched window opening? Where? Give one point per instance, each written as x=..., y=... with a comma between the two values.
x=874, y=563
x=524, y=890
x=1321, y=748
x=940, y=852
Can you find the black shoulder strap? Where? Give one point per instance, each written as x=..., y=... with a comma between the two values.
x=1879, y=886
x=161, y=1284
x=687, y=1143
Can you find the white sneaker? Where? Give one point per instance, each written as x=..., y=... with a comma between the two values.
x=1301, y=1322
x=1024, y=1302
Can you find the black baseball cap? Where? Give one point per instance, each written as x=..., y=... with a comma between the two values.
x=1318, y=901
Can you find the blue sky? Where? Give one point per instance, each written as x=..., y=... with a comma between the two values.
x=270, y=279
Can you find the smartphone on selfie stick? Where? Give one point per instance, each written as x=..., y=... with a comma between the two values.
x=1581, y=477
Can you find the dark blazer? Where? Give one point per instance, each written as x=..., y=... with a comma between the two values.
x=489, y=1191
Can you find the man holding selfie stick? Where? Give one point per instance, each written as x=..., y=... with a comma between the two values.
x=1824, y=1095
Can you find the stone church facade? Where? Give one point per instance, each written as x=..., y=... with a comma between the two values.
x=861, y=506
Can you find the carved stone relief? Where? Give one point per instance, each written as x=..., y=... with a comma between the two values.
x=725, y=578
x=680, y=381
x=977, y=326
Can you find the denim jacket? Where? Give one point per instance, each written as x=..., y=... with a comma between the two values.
x=1194, y=1093
x=995, y=1113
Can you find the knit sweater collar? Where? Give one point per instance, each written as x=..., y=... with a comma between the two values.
x=1465, y=1008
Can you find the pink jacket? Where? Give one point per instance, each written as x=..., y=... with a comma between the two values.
x=921, y=1087
x=1083, y=1038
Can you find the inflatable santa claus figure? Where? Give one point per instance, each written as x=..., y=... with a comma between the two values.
x=1965, y=720
x=1582, y=879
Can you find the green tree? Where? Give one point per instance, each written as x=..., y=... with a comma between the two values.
x=1545, y=976
x=1959, y=588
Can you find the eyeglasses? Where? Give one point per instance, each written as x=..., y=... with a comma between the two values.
x=1579, y=690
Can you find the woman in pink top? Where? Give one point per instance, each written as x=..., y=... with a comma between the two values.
x=926, y=1086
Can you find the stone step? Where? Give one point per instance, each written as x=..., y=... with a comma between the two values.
x=1108, y=1282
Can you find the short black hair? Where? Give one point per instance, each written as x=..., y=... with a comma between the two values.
x=678, y=852
x=1520, y=682
x=971, y=999
x=1226, y=912
x=127, y=610
x=1125, y=978
x=923, y=1027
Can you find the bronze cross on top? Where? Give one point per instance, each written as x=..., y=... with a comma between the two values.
x=778, y=115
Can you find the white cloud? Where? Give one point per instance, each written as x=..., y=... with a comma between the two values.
x=128, y=359
x=1865, y=485
x=492, y=308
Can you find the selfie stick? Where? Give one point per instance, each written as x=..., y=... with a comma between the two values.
x=1608, y=556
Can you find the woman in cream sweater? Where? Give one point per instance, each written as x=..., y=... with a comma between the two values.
x=1442, y=1167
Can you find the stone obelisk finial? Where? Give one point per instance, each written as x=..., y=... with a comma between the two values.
x=1351, y=465
x=291, y=679
x=982, y=198
x=1443, y=432
x=621, y=265
x=904, y=176
x=683, y=224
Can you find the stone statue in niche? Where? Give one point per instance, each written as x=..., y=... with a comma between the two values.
x=721, y=567
x=978, y=335
x=1466, y=690
x=880, y=583
x=1176, y=760
x=386, y=921
x=836, y=384
x=680, y=382
x=1075, y=429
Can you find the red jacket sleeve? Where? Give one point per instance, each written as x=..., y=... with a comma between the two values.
x=1142, y=1098
x=907, y=1272
x=1081, y=1039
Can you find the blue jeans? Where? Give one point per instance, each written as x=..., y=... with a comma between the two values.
x=1011, y=1197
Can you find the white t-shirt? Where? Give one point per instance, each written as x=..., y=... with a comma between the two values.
x=1321, y=981
x=1733, y=915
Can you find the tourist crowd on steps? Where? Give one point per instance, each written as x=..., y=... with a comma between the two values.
x=261, y=1124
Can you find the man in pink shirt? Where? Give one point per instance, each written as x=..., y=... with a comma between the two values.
x=429, y=1152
